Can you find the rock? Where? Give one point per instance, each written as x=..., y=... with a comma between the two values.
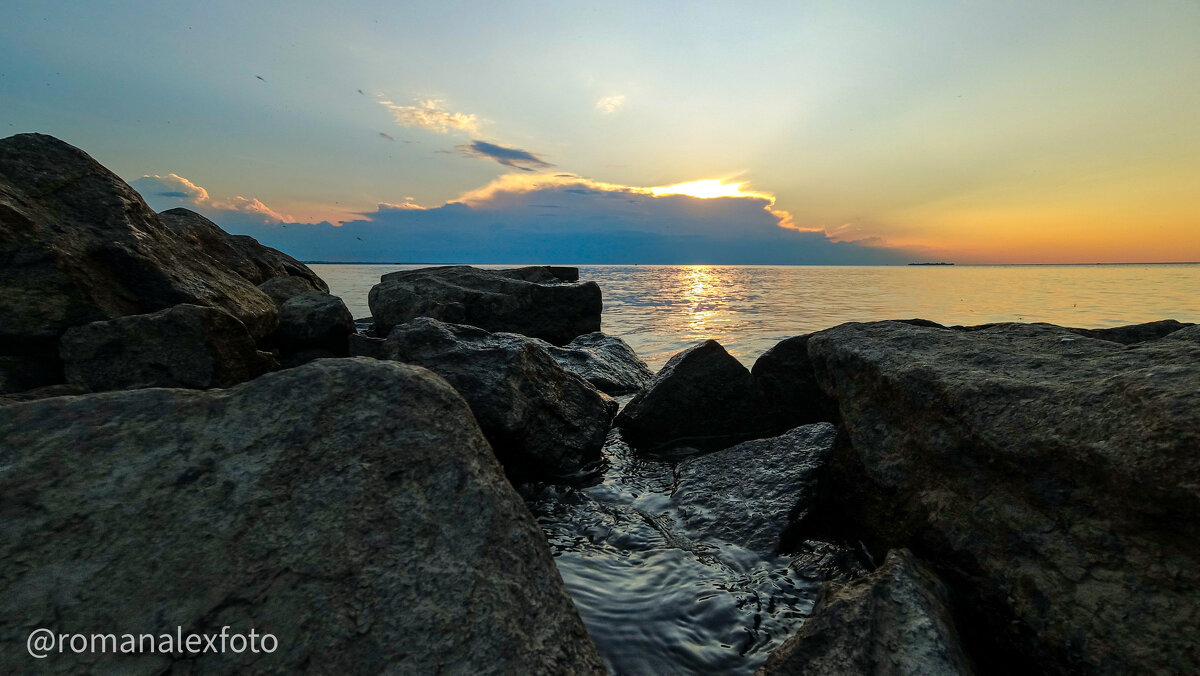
x=1134, y=333
x=367, y=346
x=281, y=289
x=539, y=418
x=895, y=621
x=1051, y=478
x=314, y=321
x=350, y=508
x=183, y=346
x=78, y=245
x=542, y=274
x=749, y=494
x=21, y=372
x=789, y=386
x=607, y=362
x=828, y=561
x=703, y=398
x=503, y=300
x=243, y=254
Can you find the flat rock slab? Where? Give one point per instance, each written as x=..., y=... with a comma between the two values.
x=533, y=302
x=749, y=494
x=349, y=507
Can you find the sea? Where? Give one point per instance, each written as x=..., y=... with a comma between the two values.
x=659, y=599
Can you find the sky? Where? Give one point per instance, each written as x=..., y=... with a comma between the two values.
x=666, y=132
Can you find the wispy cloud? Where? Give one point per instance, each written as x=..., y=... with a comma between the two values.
x=173, y=190
x=610, y=104
x=432, y=116
x=509, y=157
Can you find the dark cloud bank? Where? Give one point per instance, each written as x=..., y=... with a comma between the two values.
x=571, y=223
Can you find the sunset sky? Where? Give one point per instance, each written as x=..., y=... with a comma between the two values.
x=843, y=132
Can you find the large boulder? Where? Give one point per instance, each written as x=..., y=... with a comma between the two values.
x=241, y=253
x=78, y=245
x=607, y=362
x=894, y=622
x=350, y=508
x=1051, y=478
x=749, y=494
x=282, y=289
x=703, y=398
x=789, y=386
x=540, y=419
x=530, y=301
x=313, y=321
x=183, y=346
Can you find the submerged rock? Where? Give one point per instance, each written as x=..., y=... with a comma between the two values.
x=703, y=397
x=894, y=621
x=1053, y=478
x=530, y=301
x=183, y=346
x=607, y=362
x=539, y=418
x=749, y=494
x=351, y=508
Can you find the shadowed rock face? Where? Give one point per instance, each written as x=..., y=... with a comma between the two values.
x=351, y=508
x=789, y=386
x=241, y=253
x=184, y=346
x=78, y=245
x=313, y=321
x=539, y=418
x=894, y=621
x=530, y=301
x=1051, y=478
x=703, y=397
x=749, y=494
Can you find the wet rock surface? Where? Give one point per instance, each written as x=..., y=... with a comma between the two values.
x=533, y=302
x=183, y=346
x=702, y=398
x=539, y=418
x=894, y=621
x=351, y=508
x=607, y=362
x=751, y=493
x=1050, y=477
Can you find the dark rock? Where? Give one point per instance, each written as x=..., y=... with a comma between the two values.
x=895, y=621
x=828, y=561
x=790, y=387
x=1051, y=478
x=184, y=346
x=351, y=508
x=32, y=369
x=313, y=321
x=542, y=274
x=281, y=289
x=607, y=362
x=291, y=360
x=749, y=494
x=1191, y=333
x=703, y=398
x=253, y=261
x=78, y=245
x=494, y=300
x=1134, y=333
x=539, y=418
x=366, y=346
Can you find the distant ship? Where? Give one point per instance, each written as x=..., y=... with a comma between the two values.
x=931, y=263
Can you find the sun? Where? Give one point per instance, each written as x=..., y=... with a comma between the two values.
x=706, y=189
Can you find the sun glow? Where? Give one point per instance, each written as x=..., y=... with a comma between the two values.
x=707, y=189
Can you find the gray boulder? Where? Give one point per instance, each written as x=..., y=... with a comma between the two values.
x=530, y=301
x=607, y=362
x=78, y=245
x=703, y=398
x=894, y=622
x=313, y=321
x=789, y=386
x=749, y=495
x=183, y=346
x=1050, y=477
x=1135, y=333
x=539, y=418
x=281, y=289
x=350, y=508
x=241, y=253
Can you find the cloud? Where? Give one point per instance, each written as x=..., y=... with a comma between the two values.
x=173, y=190
x=509, y=157
x=527, y=217
x=430, y=115
x=610, y=104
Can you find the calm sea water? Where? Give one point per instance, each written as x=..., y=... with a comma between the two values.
x=658, y=599
x=660, y=310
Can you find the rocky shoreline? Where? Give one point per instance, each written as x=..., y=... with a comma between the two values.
x=194, y=433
